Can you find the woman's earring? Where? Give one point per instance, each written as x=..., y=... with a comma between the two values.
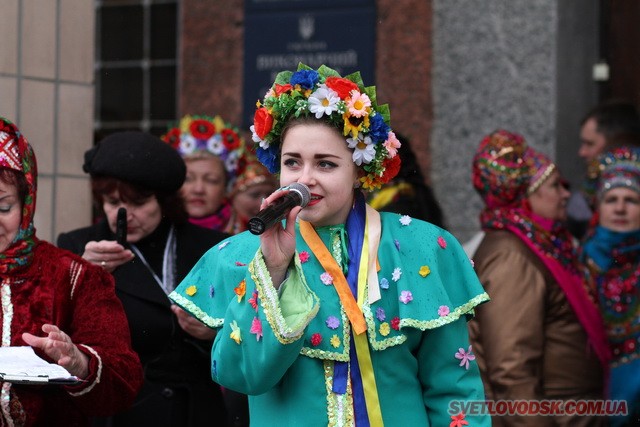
x=356, y=184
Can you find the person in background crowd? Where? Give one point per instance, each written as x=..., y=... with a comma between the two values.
x=345, y=316
x=541, y=337
x=611, y=254
x=211, y=149
x=407, y=193
x=598, y=130
x=61, y=305
x=252, y=185
x=223, y=190
x=139, y=172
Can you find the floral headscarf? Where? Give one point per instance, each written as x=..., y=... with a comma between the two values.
x=17, y=154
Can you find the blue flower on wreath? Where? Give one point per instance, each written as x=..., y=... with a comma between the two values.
x=307, y=79
x=268, y=157
x=378, y=129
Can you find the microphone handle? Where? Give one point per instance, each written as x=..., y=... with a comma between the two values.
x=271, y=215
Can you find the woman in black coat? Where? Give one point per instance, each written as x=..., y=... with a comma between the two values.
x=140, y=173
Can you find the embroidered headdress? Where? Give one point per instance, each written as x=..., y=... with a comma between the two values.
x=201, y=136
x=506, y=169
x=620, y=168
x=344, y=102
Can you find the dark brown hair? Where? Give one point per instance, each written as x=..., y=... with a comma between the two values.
x=171, y=204
x=14, y=177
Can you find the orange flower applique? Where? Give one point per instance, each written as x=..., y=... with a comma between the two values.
x=240, y=290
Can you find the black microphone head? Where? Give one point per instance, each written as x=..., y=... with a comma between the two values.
x=303, y=191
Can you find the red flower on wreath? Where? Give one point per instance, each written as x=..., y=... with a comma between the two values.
x=342, y=86
x=172, y=138
x=262, y=122
x=230, y=139
x=202, y=129
x=391, y=168
x=280, y=89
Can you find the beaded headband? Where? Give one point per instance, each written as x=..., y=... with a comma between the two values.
x=619, y=168
x=201, y=136
x=345, y=103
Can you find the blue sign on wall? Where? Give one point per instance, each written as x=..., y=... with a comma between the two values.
x=279, y=34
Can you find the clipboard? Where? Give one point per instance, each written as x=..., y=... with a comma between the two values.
x=21, y=365
x=38, y=379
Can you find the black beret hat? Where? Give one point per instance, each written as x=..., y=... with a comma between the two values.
x=138, y=158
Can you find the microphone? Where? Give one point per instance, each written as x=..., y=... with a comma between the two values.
x=298, y=195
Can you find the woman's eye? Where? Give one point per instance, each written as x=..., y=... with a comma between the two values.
x=290, y=162
x=213, y=181
x=326, y=164
x=5, y=209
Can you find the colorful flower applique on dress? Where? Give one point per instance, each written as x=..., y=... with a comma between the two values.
x=405, y=220
x=304, y=256
x=406, y=297
x=443, y=311
x=240, y=290
x=465, y=357
x=384, y=329
x=235, y=332
x=442, y=242
x=254, y=300
x=458, y=420
x=316, y=339
x=326, y=278
x=395, y=323
x=397, y=272
x=256, y=328
x=333, y=322
x=335, y=341
x=424, y=271
x=191, y=290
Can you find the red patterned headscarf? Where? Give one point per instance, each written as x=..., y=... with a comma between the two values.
x=16, y=154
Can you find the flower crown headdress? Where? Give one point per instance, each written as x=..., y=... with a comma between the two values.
x=345, y=103
x=198, y=136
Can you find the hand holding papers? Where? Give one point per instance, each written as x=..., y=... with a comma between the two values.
x=23, y=365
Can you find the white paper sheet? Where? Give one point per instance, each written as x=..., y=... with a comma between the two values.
x=23, y=361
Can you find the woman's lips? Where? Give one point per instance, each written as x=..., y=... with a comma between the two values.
x=315, y=198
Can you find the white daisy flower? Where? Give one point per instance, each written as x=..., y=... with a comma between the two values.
x=395, y=276
x=363, y=149
x=188, y=145
x=231, y=162
x=254, y=136
x=323, y=101
x=215, y=144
